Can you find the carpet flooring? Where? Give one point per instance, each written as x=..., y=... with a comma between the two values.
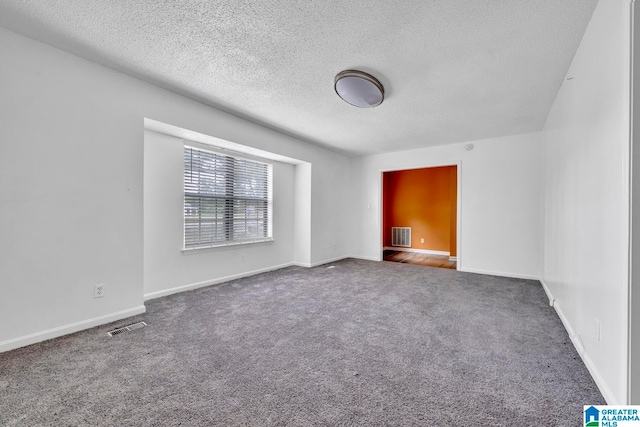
x=359, y=344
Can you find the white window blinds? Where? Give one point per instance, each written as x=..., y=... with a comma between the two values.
x=227, y=199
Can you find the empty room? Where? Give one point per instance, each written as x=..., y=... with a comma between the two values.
x=196, y=199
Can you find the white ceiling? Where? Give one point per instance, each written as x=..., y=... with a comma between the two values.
x=453, y=70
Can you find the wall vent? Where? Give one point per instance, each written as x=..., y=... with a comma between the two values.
x=129, y=328
x=401, y=236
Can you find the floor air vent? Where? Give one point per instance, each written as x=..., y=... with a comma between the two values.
x=129, y=328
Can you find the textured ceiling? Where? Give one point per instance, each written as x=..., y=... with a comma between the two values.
x=453, y=70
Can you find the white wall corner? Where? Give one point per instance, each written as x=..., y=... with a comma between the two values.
x=609, y=397
x=220, y=280
x=327, y=261
x=547, y=291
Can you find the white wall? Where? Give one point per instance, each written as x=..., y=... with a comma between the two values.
x=70, y=193
x=302, y=215
x=587, y=199
x=166, y=268
x=499, y=190
x=71, y=186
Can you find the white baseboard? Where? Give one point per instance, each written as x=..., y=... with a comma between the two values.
x=499, y=273
x=68, y=329
x=366, y=258
x=547, y=291
x=302, y=264
x=191, y=286
x=327, y=261
x=577, y=344
x=453, y=258
x=417, y=251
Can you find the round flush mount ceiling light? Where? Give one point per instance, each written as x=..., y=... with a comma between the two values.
x=359, y=88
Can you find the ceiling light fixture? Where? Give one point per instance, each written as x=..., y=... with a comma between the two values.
x=359, y=88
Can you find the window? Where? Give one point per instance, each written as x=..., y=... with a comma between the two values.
x=227, y=200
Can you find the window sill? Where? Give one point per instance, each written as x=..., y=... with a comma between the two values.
x=225, y=246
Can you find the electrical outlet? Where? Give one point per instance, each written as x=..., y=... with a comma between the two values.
x=598, y=330
x=98, y=291
x=422, y=240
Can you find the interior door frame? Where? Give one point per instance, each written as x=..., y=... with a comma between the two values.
x=459, y=241
x=633, y=293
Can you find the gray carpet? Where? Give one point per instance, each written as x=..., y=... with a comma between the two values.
x=361, y=344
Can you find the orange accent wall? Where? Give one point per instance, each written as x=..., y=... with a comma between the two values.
x=425, y=200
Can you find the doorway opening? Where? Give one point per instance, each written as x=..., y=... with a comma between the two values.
x=419, y=216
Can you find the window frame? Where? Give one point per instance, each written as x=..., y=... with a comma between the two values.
x=229, y=200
